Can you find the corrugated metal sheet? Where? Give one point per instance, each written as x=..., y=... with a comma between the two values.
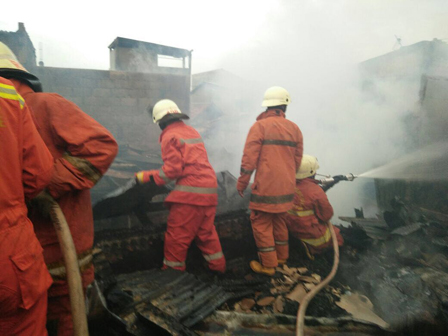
x=179, y=295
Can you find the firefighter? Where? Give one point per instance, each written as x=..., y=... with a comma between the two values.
x=26, y=168
x=274, y=149
x=82, y=150
x=307, y=218
x=193, y=201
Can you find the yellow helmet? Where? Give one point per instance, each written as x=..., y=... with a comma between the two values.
x=275, y=96
x=10, y=67
x=167, y=108
x=8, y=60
x=308, y=167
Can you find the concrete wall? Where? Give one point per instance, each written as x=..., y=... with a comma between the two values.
x=118, y=100
x=141, y=60
x=130, y=59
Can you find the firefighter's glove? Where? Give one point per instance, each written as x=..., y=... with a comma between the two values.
x=147, y=176
x=43, y=203
x=338, y=178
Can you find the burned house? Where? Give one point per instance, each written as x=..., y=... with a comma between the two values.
x=420, y=72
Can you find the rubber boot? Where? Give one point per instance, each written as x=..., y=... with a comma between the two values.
x=282, y=261
x=260, y=269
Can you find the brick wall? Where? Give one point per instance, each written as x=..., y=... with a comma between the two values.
x=118, y=100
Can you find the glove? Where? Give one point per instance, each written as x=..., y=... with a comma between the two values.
x=338, y=178
x=43, y=203
x=145, y=176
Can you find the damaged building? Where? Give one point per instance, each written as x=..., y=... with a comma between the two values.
x=391, y=281
x=421, y=70
x=404, y=247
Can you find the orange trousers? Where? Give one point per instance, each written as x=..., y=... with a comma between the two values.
x=59, y=316
x=14, y=320
x=187, y=223
x=271, y=236
x=316, y=236
x=25, y=322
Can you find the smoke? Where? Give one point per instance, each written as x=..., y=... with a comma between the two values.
x=348, y=127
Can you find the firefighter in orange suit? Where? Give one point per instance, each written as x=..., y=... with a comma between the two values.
x=193, y=201
x=307, y=218
x=83, y=150
x=26, y=168
x=274, y=149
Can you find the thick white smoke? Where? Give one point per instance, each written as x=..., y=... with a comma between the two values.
x=348, y=130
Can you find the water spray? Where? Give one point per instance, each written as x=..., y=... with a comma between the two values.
x=427, y=164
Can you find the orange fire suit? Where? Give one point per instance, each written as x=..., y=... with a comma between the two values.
x=26, y=168
x=274, y=148
x=193, y=200
x=307, y=218
x=83, y=151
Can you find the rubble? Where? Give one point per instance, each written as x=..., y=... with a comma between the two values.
x=360, y=307
x=397, y=269
x=247, y=304
x=297, y=294
x=396, y=263
x=266, y=301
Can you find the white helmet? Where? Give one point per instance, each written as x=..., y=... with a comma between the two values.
x=10, y=67
x=308, y=167
x=275, y=96
x=166, y=107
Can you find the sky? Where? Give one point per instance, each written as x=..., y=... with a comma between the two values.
x=76, y=34
x=310, y=47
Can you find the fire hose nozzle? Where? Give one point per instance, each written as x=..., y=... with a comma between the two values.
x=350, y=177
x=335, y=179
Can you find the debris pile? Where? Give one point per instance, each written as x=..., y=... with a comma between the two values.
x=284, y=292
x=393, y=274
x=400, y=262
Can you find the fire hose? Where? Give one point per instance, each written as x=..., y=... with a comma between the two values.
x=308, y=297
x=325, y=183
x=76, y=293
